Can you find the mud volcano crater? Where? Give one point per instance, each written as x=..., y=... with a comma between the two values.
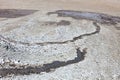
x=42, y=33
x=56, y=31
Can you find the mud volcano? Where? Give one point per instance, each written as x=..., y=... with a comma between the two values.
x=34, y=44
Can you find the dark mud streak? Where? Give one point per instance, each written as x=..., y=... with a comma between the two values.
x=45, y=68
x=60, y=23
x=47, y=43
x=117, y=28
x=14, y=13
x=97, y=17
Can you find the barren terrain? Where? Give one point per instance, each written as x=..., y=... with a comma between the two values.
x=59, y=40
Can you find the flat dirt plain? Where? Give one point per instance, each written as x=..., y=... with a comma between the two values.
x=105, y=6
x=60, y=40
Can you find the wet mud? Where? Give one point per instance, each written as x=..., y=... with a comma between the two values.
x=98, y=17
x=44, y=68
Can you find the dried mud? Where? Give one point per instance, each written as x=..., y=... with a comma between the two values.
x=95, y=17
x=45, y=68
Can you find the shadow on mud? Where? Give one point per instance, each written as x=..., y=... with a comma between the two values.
x=14, y=13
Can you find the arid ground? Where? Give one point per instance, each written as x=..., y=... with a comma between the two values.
x=59, y=39
x=106, y=6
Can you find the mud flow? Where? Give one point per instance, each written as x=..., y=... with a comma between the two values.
x=45, y=68
x=98, y=17
x=27, y=70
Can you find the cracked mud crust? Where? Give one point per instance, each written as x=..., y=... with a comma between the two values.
x=52, y=44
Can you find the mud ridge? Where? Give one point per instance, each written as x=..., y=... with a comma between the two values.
x=49, y=67
x=45, y=68
x=7, y=40
x=95, y=17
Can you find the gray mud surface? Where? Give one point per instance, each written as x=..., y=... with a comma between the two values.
x=48, y=67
